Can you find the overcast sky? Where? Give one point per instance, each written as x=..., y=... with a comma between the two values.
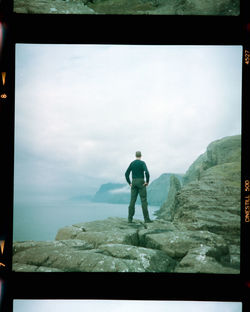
x=124, y=306
x=81, y=111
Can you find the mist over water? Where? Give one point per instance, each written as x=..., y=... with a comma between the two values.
x=40, y=220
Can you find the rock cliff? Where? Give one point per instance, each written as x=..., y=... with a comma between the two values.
x=158, y=190
x=197, y=230
x=167, y=210
x=210, y=197
x=225, y=150
x=162, y=7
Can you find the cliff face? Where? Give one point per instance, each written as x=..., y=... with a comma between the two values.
x=197, y=230
x=226, y=150
x=168, y=7
x=158, y=190
x=210, y=198
x=167, y=210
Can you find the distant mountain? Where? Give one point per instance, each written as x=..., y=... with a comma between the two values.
x=114, y=193
x=120, y=193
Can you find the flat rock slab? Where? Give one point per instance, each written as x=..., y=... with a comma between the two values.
x=200, y=260
x=114, y=245
x=178, y=243
x=19, y=267
x=112, y=230
x=147, y=260
x=110, y=224
x=22, y=246
x=168, y=7
x=107, y=258
x=51, y=7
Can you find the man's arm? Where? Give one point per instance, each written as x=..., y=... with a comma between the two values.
x=146, y=173
x=127, y=173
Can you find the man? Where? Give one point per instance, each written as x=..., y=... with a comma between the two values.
x=138, y=186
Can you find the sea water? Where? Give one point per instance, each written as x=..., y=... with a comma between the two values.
x=40, y=220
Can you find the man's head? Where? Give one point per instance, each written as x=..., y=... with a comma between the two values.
x=138, y=154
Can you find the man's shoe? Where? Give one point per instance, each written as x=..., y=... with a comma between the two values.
x=148, y=221
x=130, y=220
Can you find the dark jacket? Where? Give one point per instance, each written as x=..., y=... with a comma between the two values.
x=138, y=168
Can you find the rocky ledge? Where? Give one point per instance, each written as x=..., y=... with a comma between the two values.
x=197, y=230
x=160, y=7
x=114, y=245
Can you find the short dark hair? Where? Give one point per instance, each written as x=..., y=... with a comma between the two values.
x=138, y=154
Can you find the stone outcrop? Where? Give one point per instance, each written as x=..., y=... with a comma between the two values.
x=210, y=198
x=162, y=7
x=111, y=245
x=158, y=189
x=52, y=7
x=114, y=245
x=197, y=230
x=167, y=210
x=225, y=150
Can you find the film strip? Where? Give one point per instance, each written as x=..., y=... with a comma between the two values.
x=16, y=291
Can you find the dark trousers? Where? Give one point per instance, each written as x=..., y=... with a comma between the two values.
x=138, y=188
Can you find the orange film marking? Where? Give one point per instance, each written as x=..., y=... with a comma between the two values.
x=2, y=246
x=3, y=77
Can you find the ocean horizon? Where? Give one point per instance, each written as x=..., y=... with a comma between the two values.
x=40, y=220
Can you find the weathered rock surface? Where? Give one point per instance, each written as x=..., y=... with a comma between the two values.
x=199, y=260
x=168, y=7
x=198, y=230
x=225, y=150
x=111, y=245
x=158, y=189
x=167, y=210
x=51, y=7
x=210, y=198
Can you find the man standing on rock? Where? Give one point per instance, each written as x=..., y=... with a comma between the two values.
x=138, y=186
